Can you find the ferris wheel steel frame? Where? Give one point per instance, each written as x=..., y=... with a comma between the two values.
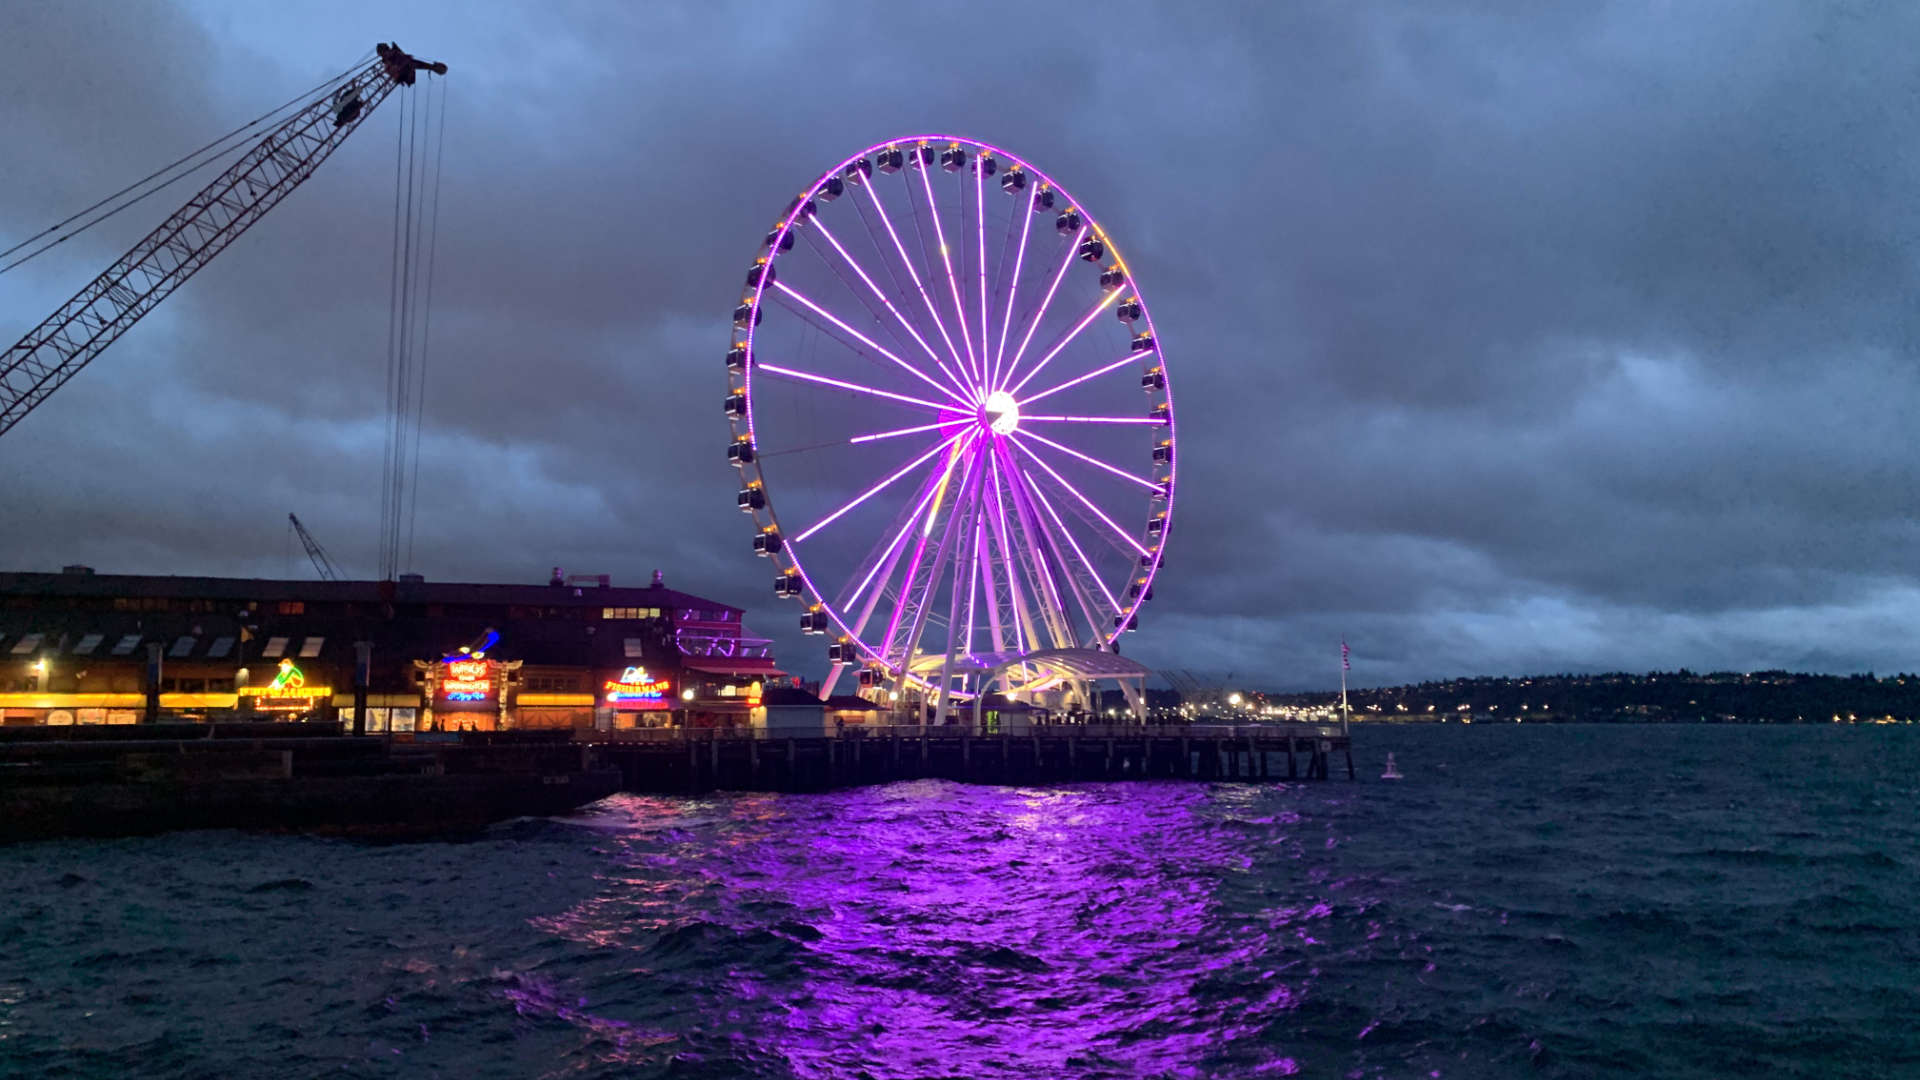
x=981, y=471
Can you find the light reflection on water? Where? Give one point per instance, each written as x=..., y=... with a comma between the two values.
x=932, y=929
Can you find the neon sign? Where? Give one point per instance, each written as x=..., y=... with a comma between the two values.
x=288, y=690
x=635, y=689
x=467, y=680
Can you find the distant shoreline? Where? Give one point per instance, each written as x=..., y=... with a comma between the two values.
x=1758, y=697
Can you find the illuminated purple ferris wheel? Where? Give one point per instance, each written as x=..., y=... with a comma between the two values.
x=944, y=376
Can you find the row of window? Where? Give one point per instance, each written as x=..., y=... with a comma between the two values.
x=222, y=647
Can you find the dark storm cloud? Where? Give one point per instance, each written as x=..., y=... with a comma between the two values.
x=1568, y=339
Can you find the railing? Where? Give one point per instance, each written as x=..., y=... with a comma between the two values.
x=954, y=731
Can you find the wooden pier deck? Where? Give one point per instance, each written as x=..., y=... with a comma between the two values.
x=680, y=761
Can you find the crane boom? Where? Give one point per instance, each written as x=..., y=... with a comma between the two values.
x=83, y=327
x=315, y=553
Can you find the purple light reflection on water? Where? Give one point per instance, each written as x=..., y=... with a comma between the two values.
x=932, y=929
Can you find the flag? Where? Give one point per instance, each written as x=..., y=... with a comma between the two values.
x=1346, y=663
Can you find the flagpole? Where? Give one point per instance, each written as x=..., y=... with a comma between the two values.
x=1344, y=664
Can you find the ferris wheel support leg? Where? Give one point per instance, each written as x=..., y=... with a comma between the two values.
x=926, y=602
x=964, y=510
x=919, y=624
x=891, y=559
x=833, y=676
x=1136, y=699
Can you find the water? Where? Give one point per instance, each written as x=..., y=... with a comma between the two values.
x=1529, y=901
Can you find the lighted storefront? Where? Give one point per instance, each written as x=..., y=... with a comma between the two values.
x=468, y=693
x=287, y=692
x=637, y=699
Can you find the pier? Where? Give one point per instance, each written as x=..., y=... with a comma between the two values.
x=693, y=761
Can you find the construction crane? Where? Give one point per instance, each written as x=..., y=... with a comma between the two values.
x=83, y=327
x=316, y=553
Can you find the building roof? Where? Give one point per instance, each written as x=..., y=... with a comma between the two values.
x=17, y=583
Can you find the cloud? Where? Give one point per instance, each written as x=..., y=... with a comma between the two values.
x=1572, y=340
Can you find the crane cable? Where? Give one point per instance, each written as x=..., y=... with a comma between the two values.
x=426, y=321
x=415, y=235
x=212, y=152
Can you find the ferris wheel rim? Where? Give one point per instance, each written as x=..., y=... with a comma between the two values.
x=769, y=252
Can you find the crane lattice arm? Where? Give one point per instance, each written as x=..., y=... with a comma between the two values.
x=315, y=553
x=84, y=326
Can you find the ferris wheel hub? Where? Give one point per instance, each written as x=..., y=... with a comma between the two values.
x=1000, y=413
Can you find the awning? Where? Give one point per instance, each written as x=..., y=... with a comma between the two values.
x=738, y=665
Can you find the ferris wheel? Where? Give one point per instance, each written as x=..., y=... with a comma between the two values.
x=952, y=419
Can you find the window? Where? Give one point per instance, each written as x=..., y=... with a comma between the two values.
x=636, y=648
x=293, y=607
x=630, y=613
x=182, y=647
x=87, y=644
x=275, y=647
x=310, y=648
x=126, y=644
x=221, y=647
x=27, y=644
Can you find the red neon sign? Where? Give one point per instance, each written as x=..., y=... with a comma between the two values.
x=467, y=681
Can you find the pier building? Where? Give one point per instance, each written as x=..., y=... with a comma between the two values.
x=82, y=648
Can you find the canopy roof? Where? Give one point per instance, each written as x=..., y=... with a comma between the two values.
x=1067, y=663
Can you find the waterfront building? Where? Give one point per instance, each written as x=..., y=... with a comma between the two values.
x=79, y=648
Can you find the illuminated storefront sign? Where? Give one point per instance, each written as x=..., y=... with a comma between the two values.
x=634, y=689
x=466, y=684
x=288, y=691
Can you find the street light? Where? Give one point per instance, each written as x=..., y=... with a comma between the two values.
x=1234, y=699
x=687, y=694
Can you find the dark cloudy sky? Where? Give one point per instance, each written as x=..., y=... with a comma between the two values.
x=1573, y=337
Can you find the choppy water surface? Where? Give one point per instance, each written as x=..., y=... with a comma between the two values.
x=1687, y=902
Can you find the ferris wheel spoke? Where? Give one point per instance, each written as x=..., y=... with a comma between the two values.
x=1026, y=557
x=807, y=376
x=1066, y=263
x=821, y=228
x=1091, y=419
x=1084, y=501
x=840, y=272
x=973, y=578
x=1013, y=292
x=1107, y=298
x=919, y=286
x=895, y=434
x=1022, y=436
x=953, y=282
x=1009, y=565
x=1085, y=562
x=1094, y=374
x=1048, y=543
x=980, y=231
x=919, y=553
x=892, y=550
x=877, y=488
x=1035, y=548
x=788, y=290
